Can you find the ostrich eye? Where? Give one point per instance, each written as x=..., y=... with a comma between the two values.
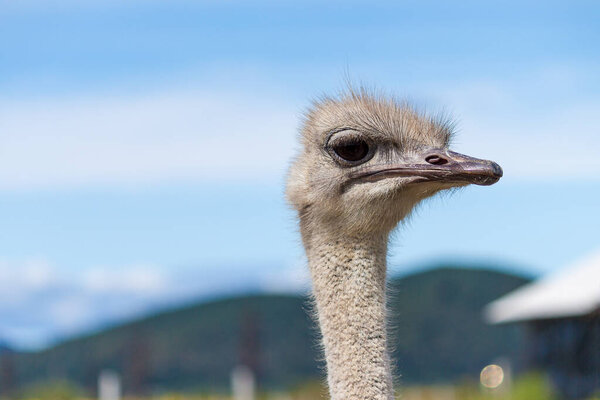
x=352, y=151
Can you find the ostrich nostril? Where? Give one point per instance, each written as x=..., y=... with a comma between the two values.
x=436, y=159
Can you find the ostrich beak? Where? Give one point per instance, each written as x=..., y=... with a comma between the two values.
x=438, y=165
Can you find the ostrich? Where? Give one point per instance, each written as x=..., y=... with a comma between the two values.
x=365, y=162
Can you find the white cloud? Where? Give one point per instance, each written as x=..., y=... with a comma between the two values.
x=537, y=129
x=135, y=280
x=233, y=136
x=40, y=302
x=292, y=279
x=69, y=311
x=146, y=139
x=17, y=280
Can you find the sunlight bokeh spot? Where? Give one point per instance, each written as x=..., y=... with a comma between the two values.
x=492, y=376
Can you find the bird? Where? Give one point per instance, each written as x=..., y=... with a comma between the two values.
x=364, y=162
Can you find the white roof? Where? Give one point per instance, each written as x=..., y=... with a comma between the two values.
x=573, y=291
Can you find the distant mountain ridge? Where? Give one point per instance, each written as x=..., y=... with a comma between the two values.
x=5, y=348
x=438, y=335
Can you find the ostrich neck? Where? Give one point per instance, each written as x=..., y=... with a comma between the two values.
x=348, y=276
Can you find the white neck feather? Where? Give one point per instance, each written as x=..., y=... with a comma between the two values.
x=348, y=276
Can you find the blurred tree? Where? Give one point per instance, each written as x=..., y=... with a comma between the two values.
x=7, y=371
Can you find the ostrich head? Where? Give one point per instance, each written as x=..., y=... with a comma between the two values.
x=366, y=162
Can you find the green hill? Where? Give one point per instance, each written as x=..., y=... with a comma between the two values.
x=438, y=335
x=437, y=325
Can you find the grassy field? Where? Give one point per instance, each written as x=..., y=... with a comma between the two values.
x=528, y=387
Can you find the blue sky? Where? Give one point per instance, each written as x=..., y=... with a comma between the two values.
x=143, y=145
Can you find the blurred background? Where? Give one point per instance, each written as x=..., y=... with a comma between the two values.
x=146, y=248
